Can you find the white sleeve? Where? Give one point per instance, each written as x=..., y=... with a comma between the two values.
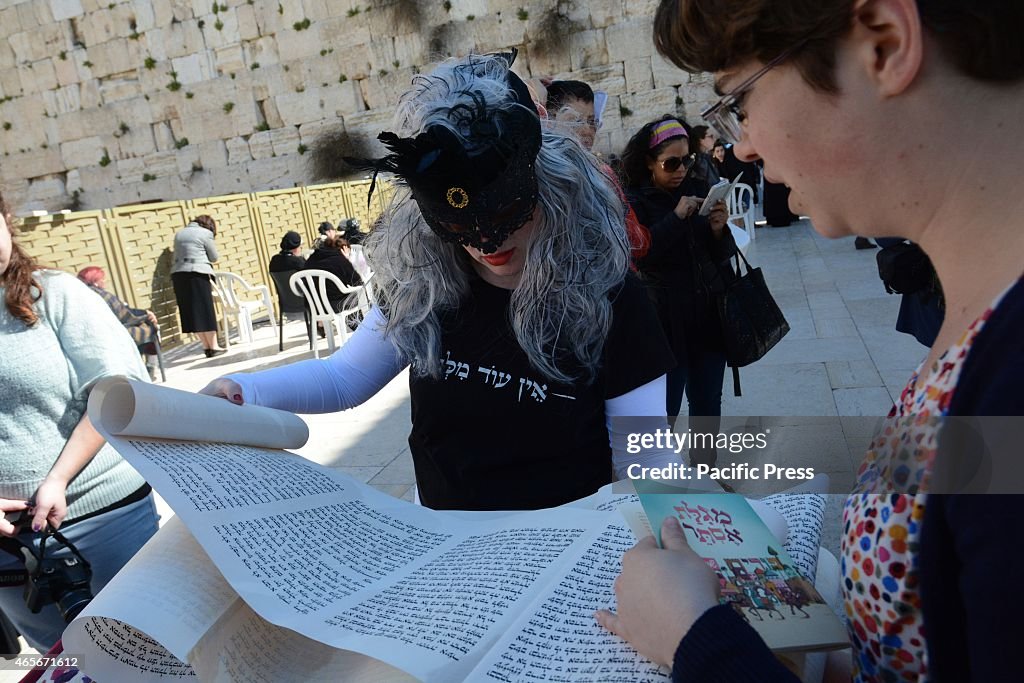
x=644, y=401
x=354, y=373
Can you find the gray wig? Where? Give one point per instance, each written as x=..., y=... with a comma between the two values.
x=578, y=254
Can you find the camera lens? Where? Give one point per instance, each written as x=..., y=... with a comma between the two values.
x=72, y=602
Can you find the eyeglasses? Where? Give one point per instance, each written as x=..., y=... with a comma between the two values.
x=727, y=115
x=672, y=164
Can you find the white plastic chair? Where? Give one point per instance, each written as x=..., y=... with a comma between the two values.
x=742, y=194
x=236, y=298
x=312, y=284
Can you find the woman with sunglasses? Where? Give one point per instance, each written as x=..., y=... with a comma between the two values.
x=680, y=268
x=503, y=274
x=704, y=173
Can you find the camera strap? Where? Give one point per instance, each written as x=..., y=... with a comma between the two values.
x=13, y=577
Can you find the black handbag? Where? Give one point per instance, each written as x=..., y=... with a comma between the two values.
x=904, y=268
x=752, y=322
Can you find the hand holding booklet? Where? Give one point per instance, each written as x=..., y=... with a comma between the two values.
x=279, y=569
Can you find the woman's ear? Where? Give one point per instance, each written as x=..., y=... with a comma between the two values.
x=887, y=38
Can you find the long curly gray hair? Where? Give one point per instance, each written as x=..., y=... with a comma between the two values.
x=578, y=253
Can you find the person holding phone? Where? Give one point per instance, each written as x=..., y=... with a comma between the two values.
x=684, y=266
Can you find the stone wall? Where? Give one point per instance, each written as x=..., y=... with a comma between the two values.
x=105, y=102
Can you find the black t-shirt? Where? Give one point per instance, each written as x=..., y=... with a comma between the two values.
x=494, y=434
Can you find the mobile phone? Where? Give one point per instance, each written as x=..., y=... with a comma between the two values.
x=718, y=192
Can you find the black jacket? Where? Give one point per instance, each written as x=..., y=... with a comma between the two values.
x=333, y=261
x=285, y=261
x=683, y=269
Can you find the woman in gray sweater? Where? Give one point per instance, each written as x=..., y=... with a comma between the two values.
x=194, y=252
x=58, y=339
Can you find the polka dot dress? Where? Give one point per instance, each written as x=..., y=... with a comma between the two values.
x=882, y=527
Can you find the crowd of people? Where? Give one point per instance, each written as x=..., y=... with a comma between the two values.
x=510, y=245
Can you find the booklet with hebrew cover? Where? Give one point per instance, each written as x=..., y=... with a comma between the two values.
x=279, y=569
x=755, y=573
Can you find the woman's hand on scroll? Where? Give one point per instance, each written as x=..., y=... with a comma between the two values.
x=687, y=206
x=660, y=594
x=224, y=388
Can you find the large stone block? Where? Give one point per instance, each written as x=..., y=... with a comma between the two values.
x=188, y=158
x=213, y=154
x=411, y=49
x=342, y=33
x=66, y=71
x=163, y=136
x=181, y=39
x=649, y=105
x=96, y=178
x=97, y=27
x=119, y=89
x=638, y=74
x=162, y=164
x=32, y=164
x=667, y=74
x=630, y=39
x=587, y=48
x=248, y=29
x=73, y=180
x=226, y=35
x=229, y=59
x=315, y=104
x=295, y=45
x=194, y=68
x=84, y=152
x=65, y=9
x=609, y=78
x=51, y=192
x=230, y=180
x=115, y=57
x=284, y=140
x=238, y=151
x=62, y=100
x=604, y=13
x=260, y=146
x=262, y=51
x=276, y=173
x=89, y=94
x=164, y=106
x=641, y=8
x=271, y=116
x=317, y=10
x=145, y=15
x=26, y=48
x=137, y=142
x=38, y=77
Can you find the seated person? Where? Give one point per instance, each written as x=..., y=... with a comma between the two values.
x=288, y=258
x=140, y=323
x=332, y=256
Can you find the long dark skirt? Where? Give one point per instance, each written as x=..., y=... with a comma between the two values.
x=195, y=302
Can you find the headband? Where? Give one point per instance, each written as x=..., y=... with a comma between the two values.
x=666, y=130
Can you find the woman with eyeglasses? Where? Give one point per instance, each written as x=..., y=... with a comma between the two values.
x=503, y=274
x=680, y=267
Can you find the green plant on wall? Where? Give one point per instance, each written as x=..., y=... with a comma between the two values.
x=301, y=25
x=228, y=106
x=302, y=149
x=150, y=63
x=105, y=159
x=522, y=14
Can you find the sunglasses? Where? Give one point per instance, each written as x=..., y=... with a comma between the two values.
x=673, y=164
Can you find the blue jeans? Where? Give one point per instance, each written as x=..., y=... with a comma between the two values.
x=106, y=541
x=702, y=382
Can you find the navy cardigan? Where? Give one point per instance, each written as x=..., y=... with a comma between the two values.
x=971, y=548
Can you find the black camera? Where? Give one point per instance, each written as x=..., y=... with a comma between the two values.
x=61, y=580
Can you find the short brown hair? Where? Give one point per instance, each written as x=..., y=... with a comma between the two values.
x=207, y=222
x=980, y=37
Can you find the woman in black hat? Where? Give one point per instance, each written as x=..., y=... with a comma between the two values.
x=289, y=257
x=502, y=269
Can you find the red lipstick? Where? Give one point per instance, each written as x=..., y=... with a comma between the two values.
x=499, y=259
